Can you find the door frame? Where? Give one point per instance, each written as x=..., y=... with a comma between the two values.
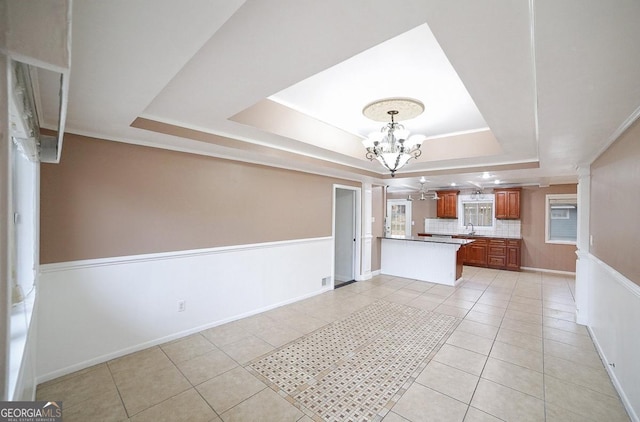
x=358, y=232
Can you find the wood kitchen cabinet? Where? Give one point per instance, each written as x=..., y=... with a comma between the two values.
x=476, y=253
x=508, y=203
x=492, y=252
x=447, y=204
x=497, y=253
x=513, y=250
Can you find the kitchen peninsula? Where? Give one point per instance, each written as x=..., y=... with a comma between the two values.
x=432, y=259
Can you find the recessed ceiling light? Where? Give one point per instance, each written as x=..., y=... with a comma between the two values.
x=422, y=179
x=453, y=183
x=497, y=182
x=486, y=175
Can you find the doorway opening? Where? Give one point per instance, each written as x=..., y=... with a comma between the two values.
x=346, y=232
x=398, y=222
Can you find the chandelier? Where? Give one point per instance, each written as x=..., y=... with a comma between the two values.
x=392, y=146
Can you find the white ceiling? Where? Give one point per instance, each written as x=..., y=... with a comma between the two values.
x=524, y=90
x=411, y=64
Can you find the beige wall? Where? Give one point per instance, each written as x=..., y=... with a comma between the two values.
x=535, y=252
x=109, y=199
x=615, y=204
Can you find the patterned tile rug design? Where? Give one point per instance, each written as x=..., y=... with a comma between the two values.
x=355, y=369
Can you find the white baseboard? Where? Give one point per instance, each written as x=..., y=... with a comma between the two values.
x=545, y=270
x=364, y=277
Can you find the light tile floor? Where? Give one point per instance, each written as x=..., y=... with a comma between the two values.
x=517, y=355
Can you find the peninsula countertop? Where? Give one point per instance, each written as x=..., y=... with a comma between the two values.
x=450, y=241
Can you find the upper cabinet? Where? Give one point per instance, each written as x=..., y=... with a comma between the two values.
x=508, y=203
x=447, y=204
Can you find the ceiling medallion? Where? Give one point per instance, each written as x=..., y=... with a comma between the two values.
x=392, y=146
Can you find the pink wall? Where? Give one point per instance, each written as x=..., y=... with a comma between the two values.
x=109, y=199
x=535, y=252
x=615, y=204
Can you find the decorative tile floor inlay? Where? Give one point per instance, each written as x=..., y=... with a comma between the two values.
x=355, y=369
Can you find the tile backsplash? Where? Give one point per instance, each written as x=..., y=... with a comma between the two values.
x=502, y=228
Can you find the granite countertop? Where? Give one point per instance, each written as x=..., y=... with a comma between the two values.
x=472, y=236
x=432, y=240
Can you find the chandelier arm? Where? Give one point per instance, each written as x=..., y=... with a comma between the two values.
x=397, y=161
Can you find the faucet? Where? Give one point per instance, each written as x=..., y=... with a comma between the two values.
x=472, y=228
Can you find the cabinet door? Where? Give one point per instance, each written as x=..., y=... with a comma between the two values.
x=513, y=255
x=447, y=204
x=477, y=253
x=513, y=204
x=501, y=204
x=451, y=205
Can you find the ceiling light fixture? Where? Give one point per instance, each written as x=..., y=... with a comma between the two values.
x=424, y=192
x=392, y=146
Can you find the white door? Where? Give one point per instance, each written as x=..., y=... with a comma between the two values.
x=398, y=223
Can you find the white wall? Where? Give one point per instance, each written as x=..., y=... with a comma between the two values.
x=94, y=310
x=613, y=318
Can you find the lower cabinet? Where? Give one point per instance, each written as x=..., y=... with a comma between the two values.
x=476, y=253
x=503, y=254
x=497, y=253
x=513, y=254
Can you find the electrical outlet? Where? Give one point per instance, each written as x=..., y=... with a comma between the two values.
x=182, y=305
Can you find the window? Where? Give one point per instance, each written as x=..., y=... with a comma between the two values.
x=561, y=219
x=479, y=214
x=477, y=209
